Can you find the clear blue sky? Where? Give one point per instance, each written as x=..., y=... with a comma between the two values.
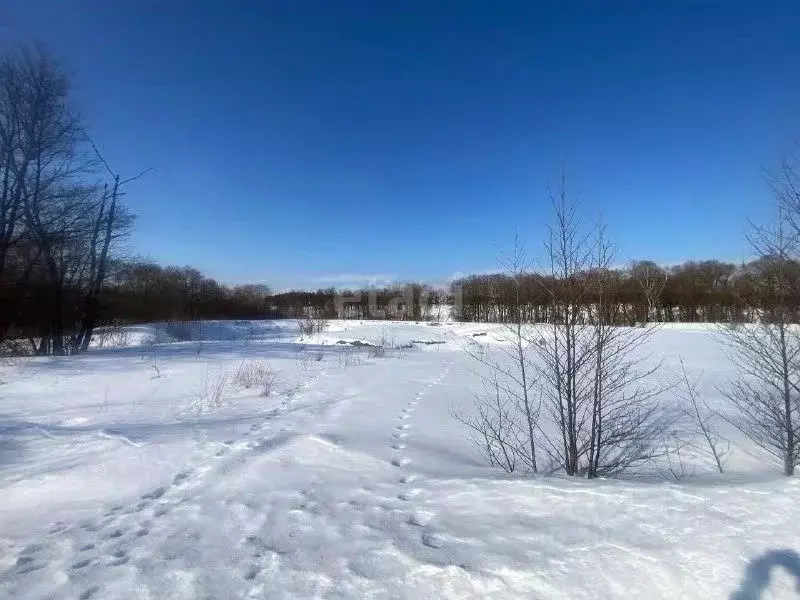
x=305, y=143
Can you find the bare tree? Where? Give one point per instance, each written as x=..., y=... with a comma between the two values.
x=785, y=186
x=595, y=377
x=507, y=415
x=651, y=280
x=517, y=265
x=59, y=223
x=702, y=419
x=766, y=393
x=38, y=139
x=495, y=425
x=626, y=419
x=591, y=378
x=565, y=357
x=110, y=222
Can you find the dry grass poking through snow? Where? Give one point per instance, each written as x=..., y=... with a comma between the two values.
x=213, y=391
x=216, y=387
x=251, y=374
x=311, y=326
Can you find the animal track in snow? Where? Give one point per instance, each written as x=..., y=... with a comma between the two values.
x=433, y=539
x=89, y=592
x=409, y=494
x=81, y=564
x=181, y=477
x=57, y=527
x=116, y=535
x=155, y=494
x=118, y=557
x=24, y=560
x=418, y=518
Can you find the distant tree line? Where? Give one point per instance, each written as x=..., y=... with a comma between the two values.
x=143, y=291
x=693, y=292
x=411, y=301
x=708, y=291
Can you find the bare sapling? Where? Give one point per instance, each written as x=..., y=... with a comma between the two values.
x=765, y=396
x=701, y=420
x=595, y=376
x=506, y=411
x=494, y=426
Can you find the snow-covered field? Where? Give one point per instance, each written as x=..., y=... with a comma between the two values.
x=148, y=470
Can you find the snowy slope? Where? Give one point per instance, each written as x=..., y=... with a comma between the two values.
x=119, y=478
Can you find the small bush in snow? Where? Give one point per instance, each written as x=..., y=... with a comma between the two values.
x=213, y=391
x=382, y=347
x=254, y=374
x=376, y=351
x=349, y=357
x=14, y=348
x=674, y=453
x=310, y=326
x=701, y=422
x=114, y=335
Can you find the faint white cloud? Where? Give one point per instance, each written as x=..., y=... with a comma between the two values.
x=462, y=274
x=355, y=279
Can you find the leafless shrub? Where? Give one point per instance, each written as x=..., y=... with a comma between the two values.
x=766, y=393
x=311, y=326
x=673, y=452
x=349, y=357
x=495, y=426
x=595, y=377
x=291, y=392
x=149, y=348
x=11, y=348
x=388, y=339
x=114, y=335
x=701, y=420
x=507, y=407
x=383, y=347
x=308, y=359
x=12, y=364
x=652, y=280
x=268, y=385
x=596, y=412
x=378, y=351
x=251, y=374
x=212, y=392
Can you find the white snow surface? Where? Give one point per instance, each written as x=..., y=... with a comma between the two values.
x=123, y=475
